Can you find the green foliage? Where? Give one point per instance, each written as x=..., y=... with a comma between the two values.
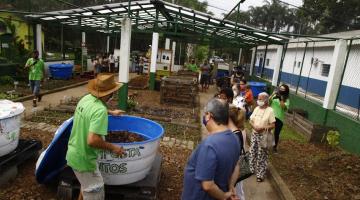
x=288, y=133
x=333, y=138
x=131, y=104
x=5, y=80
x=314, y=17
x=201, y=52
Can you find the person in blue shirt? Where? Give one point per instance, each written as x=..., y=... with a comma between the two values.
x=209, y=173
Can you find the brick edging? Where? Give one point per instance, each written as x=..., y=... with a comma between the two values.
x=29, y=97
x=279, y=184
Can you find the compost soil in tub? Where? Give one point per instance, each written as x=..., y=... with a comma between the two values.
x=124, y=137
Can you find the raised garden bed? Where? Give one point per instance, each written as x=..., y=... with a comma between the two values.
x=316, y=172
x=8, y=91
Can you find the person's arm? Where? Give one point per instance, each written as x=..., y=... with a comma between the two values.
x=214, y=191
x=116, y=112
x=43, y=70
x=27, y=65
x=234, y=176
x=97, y=142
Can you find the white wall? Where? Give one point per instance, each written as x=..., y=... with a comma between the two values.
x=352, y=71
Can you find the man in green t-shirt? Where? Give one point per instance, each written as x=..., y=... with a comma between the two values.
x=36, y=74
x=192, y=66
x=90, y=125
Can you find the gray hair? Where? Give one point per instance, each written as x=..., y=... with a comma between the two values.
x=219, y=109
x=266, y=96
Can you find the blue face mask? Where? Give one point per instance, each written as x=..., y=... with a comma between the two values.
x=204, y=121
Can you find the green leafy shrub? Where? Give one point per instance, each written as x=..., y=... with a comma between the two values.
x=333, y=138
x=6, y=80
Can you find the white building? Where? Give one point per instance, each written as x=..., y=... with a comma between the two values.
x=316, y=67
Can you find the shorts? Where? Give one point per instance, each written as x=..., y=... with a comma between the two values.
x=35, y=87
x=92, y=184
x=204, y=79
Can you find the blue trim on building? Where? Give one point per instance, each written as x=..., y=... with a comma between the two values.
x=348, y=95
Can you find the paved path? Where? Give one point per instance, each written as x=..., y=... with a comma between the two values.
x=253, y=190
x=54, y=98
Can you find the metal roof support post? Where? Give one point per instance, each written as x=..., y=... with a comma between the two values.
x=173, y=55
x=39, y=39
x=343, y=72
x=263, y=67
x=108, y=36
x=285, y=46
x=279, y=53
x=125, y=43
x=240, y=52
x=301, y=68
x=253, y=61
x=336, y=70
x=62, y=42
x=153, y=59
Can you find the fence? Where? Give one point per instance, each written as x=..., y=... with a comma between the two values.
x=307, y=76
x=305, y=68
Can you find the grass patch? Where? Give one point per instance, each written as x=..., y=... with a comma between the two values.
x=287, y=133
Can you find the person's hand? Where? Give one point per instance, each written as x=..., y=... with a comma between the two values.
x=116, y=112
x=119, y=150
x=228, y=195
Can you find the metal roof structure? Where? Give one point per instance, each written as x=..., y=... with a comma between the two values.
x=160, y=16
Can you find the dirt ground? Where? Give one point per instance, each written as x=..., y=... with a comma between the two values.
x=315, y=172
x=24, y=90
x=24, y=186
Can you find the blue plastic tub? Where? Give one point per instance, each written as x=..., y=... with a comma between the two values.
x=116, y=170
x=61, y=71
x=257, y=88
x=222, y=73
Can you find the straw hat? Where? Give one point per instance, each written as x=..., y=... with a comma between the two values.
x=104, y=84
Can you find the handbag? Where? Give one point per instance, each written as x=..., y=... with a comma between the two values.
x=245, y=171
x=267, y=139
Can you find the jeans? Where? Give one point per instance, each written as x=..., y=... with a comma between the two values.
x=35, y=87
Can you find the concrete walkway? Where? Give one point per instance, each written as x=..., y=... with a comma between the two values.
x=54, y=98
x=253, y=190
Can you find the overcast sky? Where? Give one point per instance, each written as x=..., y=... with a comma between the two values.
x=229, y=4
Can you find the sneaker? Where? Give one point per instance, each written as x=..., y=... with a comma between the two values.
x=34, y=103
x=275, y=150
x=39, y=97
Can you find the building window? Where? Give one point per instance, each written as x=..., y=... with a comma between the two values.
x=325, y=70
x=267, y=62
x=299, y=64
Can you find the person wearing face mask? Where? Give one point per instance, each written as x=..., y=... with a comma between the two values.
x=246, y=92
x=262, y=120
x=226, y=94
x=280, y=103
x=90, y=125
x=209, y=172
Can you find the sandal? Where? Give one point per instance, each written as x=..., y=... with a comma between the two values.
x=259, y=180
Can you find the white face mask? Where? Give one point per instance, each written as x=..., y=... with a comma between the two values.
x=260, y=103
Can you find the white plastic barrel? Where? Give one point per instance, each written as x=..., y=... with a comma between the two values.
x=10, y=117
